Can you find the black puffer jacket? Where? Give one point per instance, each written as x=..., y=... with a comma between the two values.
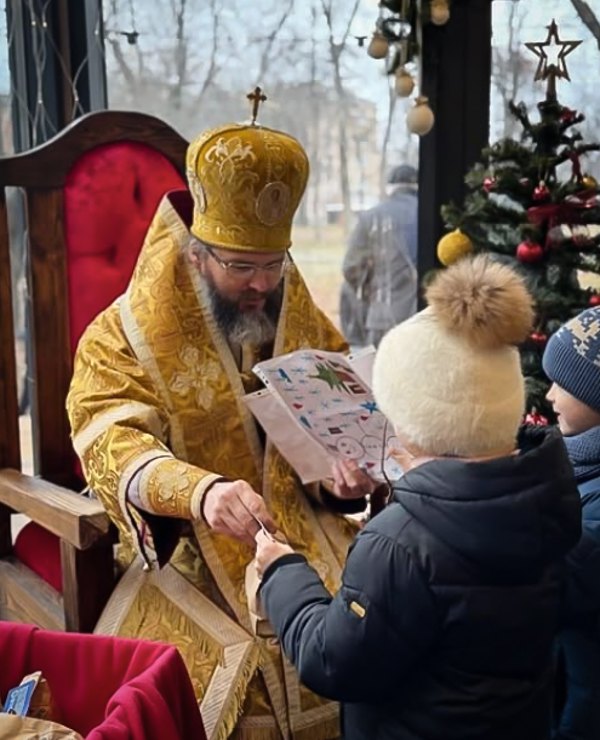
x=444, y=624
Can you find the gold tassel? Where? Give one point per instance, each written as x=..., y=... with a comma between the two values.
x=236, y=704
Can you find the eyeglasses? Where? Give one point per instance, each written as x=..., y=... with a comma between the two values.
x=247, y=270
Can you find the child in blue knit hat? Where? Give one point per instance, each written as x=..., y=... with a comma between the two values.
x=572, y=361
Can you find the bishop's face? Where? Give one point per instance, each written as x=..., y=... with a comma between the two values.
x=243, y=279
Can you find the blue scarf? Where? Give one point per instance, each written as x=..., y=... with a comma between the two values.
x=584, y=453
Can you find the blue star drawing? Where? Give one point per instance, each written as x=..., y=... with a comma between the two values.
x=283, y=375
x=369, y=406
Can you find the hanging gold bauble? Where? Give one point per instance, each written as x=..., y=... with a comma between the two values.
x=589, y=182
x=404, y=83
x=378, y=46
x=439, y=12
x=453, y=246
x=420, y=118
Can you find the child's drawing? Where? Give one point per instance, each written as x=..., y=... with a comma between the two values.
x=325, y=394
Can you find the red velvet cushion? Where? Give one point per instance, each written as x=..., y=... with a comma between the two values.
x=106, y=688
x=110, y=196
x=39, y=550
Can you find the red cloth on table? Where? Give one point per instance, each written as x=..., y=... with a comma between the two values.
x=105, y=688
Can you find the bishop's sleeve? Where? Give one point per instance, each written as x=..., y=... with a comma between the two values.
x=119, y=427
x=355, y=646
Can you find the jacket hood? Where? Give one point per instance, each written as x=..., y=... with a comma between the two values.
x=509, y=515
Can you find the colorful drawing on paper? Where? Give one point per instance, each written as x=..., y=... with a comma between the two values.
x=330, y=400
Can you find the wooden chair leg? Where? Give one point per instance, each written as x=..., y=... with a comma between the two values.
x=88, y=580
x=5, y=531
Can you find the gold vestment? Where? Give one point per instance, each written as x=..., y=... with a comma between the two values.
x=156, y=389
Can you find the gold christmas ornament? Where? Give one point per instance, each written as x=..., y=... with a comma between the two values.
x=378, y=46
x=420, y=118
x=453, y=246
x=589, y=182
x=439, y=12
x=404, y=83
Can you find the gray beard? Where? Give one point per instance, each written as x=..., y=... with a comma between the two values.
x=245, y=327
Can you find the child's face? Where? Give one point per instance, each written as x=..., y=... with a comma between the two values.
x=574, y=416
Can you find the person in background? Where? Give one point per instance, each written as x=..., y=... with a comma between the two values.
x=379, y=268
x=572, y=362
x=443, y=628
x=174, y=454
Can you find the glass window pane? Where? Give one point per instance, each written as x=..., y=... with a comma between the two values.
x=6, y=138
x=516, y=22
x=192, y=63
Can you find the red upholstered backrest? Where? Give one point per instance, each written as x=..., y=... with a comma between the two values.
x=110, y=196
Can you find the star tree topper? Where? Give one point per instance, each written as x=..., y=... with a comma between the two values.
x=556, y=50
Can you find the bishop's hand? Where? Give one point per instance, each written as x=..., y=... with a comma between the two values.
x=235, y=509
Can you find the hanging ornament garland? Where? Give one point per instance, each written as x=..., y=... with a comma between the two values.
x=396, y=39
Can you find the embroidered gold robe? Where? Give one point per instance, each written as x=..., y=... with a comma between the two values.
x=156, y=389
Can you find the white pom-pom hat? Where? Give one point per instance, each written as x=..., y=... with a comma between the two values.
x=449, y=378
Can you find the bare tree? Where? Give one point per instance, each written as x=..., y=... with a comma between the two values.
x=212, y=68
x=588, y=18
x=508, y=65
x=176, y=91
x=336, y=49
x=271, y=38
x=392, y=100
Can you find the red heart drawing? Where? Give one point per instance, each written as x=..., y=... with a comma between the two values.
x=297, y=405
x=364, y=418
x=370, y=465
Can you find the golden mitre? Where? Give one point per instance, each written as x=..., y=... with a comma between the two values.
x=246, y=182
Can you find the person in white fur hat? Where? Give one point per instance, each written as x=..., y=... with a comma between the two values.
x=444, y=623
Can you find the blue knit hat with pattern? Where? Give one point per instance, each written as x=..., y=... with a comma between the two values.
x=572, y=357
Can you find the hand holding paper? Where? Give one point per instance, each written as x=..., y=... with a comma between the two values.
x=235, y=509
x=350, y=481
x=317, y=408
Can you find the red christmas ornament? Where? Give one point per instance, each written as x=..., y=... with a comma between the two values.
x=567, y=115
x=534, y=417
x=541, y=192
x=538, y=337
x=595, y=299
x=489, y=184
x=528, y=251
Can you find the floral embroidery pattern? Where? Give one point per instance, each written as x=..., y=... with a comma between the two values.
x=196, y=378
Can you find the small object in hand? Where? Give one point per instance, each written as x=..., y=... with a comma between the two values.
x=263, y=529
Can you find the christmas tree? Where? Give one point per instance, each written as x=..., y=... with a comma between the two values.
x=544, y=222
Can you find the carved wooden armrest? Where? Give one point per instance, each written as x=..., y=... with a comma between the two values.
x=76, y=519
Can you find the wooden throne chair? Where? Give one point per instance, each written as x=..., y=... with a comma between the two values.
x=89, y=195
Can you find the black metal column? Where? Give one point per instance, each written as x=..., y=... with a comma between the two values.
x=456, y=61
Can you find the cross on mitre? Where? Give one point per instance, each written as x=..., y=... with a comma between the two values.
x=257, y=97
x=551, y=54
